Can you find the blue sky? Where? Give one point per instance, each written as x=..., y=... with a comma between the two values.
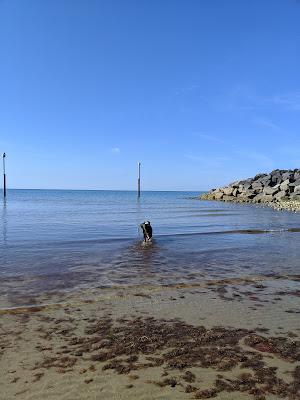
x=202, y=92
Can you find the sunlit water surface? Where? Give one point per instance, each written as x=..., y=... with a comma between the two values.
x=53, y=240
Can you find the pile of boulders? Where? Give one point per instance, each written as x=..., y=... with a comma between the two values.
x=277, y=186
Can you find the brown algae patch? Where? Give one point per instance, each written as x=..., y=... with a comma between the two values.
x=112, y=345
x=129, y=345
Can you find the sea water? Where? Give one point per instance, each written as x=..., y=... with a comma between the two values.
x=54, y=240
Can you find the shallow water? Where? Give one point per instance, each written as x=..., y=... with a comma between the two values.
x=59, y=239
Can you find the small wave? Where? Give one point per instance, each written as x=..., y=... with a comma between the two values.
x=235, y=231
x=128, y=239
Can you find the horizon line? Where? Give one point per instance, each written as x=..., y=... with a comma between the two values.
x=109, y=190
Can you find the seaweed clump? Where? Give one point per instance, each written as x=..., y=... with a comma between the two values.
x=128, y=345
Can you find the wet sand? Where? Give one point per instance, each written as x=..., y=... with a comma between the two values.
x=223, y=339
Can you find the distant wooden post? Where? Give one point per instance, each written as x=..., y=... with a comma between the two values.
x=139, y=180
x=4, y=175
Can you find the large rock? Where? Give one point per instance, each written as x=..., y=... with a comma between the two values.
x=266, y=198
x=294, y=184
x=218, y=195
x=281, y=195
x=258, y=198
x=287, y=175
x=295, y=196
x=271, y=190
x=285, y=184
x=259, y=176
x=273, y=187
x=235, y=184
x=250, y=194
x=228, y=191
x=226, y=197
x=297, y=189
x=257, y=185
x=297, y=175
x=265, y=181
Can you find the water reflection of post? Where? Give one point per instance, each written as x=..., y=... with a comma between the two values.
x=139, y=180
x=4, y=222
x=139, y=215
x=4, y=175
x=138, y=208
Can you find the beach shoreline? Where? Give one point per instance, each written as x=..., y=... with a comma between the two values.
x=278, y=205
x=226, y=339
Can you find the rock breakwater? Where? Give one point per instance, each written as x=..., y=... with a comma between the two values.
x=279, y=189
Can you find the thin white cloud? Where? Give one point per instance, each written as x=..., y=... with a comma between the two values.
x=207, y=162
x=266, y=123
x=209, y=137
x=115, y=150
x=290, y=101
x=187, y=89
x=243, y=97
x=261, y=159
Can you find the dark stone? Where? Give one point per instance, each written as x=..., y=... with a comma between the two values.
x=266, y=180
x=287, y=175
x=259, y=176
x=250, y=194
x=276, y=179
x=295, y=183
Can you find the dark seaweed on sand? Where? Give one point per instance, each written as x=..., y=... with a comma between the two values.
x=128, y=345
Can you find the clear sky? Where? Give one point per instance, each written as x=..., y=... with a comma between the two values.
x=203, y=92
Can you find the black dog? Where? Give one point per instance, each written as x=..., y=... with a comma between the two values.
x=147, y=231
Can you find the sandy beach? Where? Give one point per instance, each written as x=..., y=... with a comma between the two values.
x=149, y=200
x=223, y=339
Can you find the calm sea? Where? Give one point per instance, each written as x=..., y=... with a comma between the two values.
x=53, y=240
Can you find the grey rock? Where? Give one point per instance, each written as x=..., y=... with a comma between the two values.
x=257, y=185
x=259, y=176
x=276, y=179
x=227, y=198
x=258, y=198
x=228, y=191
x=269, y=190
x=275, y=188
x=287, y=175
x=235, y=192
x=266, y=180
x=297, y=189
x=266, y=198
x=247, y=186
x=280, y=195
x=242, y=198
x=275, y=172
x=295, y=196
x=218, y=195
x=285, y=185
x=295, y=183
x=235, y=184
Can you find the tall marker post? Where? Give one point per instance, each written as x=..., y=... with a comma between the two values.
x=4, y=175
x=139, y=179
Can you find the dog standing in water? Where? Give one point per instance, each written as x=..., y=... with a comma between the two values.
x=147, y=231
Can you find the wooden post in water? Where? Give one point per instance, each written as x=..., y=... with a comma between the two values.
x=4, y=175
x=139, y=179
